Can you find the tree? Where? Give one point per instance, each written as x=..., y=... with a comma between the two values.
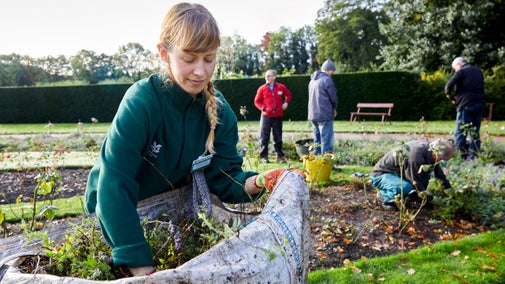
x=277, y=50
x=17, y=70
x=133, y=61
x=82, y=65
x=303, y=41
x=428, y=35
x=236, y=56
x=286, y=51
x=348, y=33
x=58, y=68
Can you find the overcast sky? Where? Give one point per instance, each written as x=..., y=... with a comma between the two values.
x=54, y=27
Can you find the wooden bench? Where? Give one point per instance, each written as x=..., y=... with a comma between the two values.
x=385, y=115
x=489, y=113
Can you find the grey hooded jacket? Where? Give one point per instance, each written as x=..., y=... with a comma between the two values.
x=323, y=98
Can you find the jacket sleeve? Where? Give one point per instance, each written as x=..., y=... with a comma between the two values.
x=449, y=86
x=225, y=175
x=332, y=93
x=258, y=100
x=287, y=95
x=117, y=190
x=439, y=174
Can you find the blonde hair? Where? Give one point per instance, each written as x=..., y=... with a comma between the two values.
x=192, y=28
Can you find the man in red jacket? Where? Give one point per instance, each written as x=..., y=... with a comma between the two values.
x=272, y=99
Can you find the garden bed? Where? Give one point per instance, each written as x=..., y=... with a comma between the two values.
x=346, y=223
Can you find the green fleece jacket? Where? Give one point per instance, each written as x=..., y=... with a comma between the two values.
x=165, y=125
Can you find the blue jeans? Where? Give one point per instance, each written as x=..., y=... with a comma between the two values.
x=323, y=136
x=468, y=125
x=390, y=185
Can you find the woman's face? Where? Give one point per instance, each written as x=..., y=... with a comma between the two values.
x=190, y=70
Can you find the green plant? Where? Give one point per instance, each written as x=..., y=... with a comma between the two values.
x=174, y=242
x=361, y=151
x=476, y=194
x=82, y=253
x=47, y=183
x=5, y=231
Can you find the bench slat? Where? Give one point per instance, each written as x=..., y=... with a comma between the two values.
x=371, y=113
x=375, y=105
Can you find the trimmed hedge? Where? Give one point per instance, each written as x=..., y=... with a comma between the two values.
x=413, y=98
x=60, y=104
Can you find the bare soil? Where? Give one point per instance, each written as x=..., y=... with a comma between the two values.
x=348, y=223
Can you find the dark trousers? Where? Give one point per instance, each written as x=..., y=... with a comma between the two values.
x=468, y=126
x=274, y=125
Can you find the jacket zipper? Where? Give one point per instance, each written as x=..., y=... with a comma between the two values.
x=183, y=133
x=273, y=99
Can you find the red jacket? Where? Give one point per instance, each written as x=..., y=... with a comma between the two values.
x=270, y=102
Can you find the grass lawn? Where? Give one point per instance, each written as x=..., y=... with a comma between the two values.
x=340, y=126
x=476, y=259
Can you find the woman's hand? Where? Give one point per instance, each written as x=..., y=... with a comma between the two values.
x=269, y=179
x=142, y=270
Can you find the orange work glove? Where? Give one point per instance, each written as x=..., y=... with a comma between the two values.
x=269, y=178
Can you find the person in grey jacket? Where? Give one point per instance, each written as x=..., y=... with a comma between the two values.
x=407, y=170
x=322, y=109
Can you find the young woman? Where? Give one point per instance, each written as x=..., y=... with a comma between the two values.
x=163, y=125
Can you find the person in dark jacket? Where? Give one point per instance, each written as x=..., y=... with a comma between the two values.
x=466, y=90
x=272, y=99
x=407, y=170
x=322, y=108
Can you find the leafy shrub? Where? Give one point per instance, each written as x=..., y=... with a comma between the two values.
x=361, y=152
x=477, y=193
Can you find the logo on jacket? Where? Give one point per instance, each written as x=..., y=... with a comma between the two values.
x=154, y=149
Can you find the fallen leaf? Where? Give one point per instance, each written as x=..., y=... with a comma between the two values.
x=346, y=261
x=355, y=269
x=481, y=250
x=487, y=267
x=411, y=231
x=389, y=229
x=467, y=226
x=455, y=253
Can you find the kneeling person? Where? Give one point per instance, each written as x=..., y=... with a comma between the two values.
x=400, y=170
